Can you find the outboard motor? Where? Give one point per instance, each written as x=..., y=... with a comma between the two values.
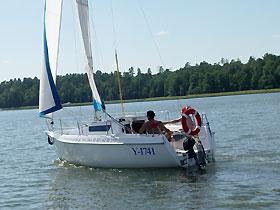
x=201, y=156
x=188, y=146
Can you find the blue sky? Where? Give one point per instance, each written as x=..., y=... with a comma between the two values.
x=184, y=30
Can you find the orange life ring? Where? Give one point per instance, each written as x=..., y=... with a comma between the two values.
x=186, y=111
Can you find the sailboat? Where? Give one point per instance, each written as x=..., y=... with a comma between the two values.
x=114, y=142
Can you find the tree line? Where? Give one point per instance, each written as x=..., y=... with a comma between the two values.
x=225, y=76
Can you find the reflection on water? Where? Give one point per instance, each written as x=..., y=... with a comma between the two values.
x=129, y=188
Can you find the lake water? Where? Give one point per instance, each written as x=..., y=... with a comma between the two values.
x=246, y=174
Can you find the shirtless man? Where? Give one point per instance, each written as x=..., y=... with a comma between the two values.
x=153, y=126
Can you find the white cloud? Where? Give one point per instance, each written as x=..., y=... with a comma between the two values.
x=162, y=33
x=5, y=61
x=276, y=36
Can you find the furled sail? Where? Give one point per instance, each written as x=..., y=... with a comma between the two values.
x=83, y=12
x=49, y=100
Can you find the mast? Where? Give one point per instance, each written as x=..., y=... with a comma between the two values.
x=119, y=81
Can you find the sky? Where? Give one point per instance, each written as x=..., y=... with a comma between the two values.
x=148, y=33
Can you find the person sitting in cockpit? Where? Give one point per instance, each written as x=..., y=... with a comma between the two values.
x=153, y=126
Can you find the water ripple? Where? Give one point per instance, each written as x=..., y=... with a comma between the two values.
x=244, y=176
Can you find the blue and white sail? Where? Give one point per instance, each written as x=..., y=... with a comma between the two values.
x=83, y=13
x=49, y=100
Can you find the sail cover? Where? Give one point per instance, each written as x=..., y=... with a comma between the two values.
x=83, y=13
x=49, y=100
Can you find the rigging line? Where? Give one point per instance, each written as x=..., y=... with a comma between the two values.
x=75, y=37
x=98, y=46
x=114, y=29
x=179, y=104
x=116, y=59
x=150, y=31
x=70, y=113
x=73, y=114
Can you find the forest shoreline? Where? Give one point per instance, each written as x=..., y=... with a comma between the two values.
x=204, y=95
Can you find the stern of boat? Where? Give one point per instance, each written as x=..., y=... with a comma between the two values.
x=204, y=146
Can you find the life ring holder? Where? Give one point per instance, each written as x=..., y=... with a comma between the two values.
x=186, y=111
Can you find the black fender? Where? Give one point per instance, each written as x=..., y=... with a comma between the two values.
x=50, y=141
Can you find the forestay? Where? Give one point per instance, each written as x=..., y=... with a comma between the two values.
x=83, y=13
x=49, y=100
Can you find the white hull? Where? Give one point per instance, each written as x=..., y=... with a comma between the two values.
x=121, y=151
x=117, y=154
